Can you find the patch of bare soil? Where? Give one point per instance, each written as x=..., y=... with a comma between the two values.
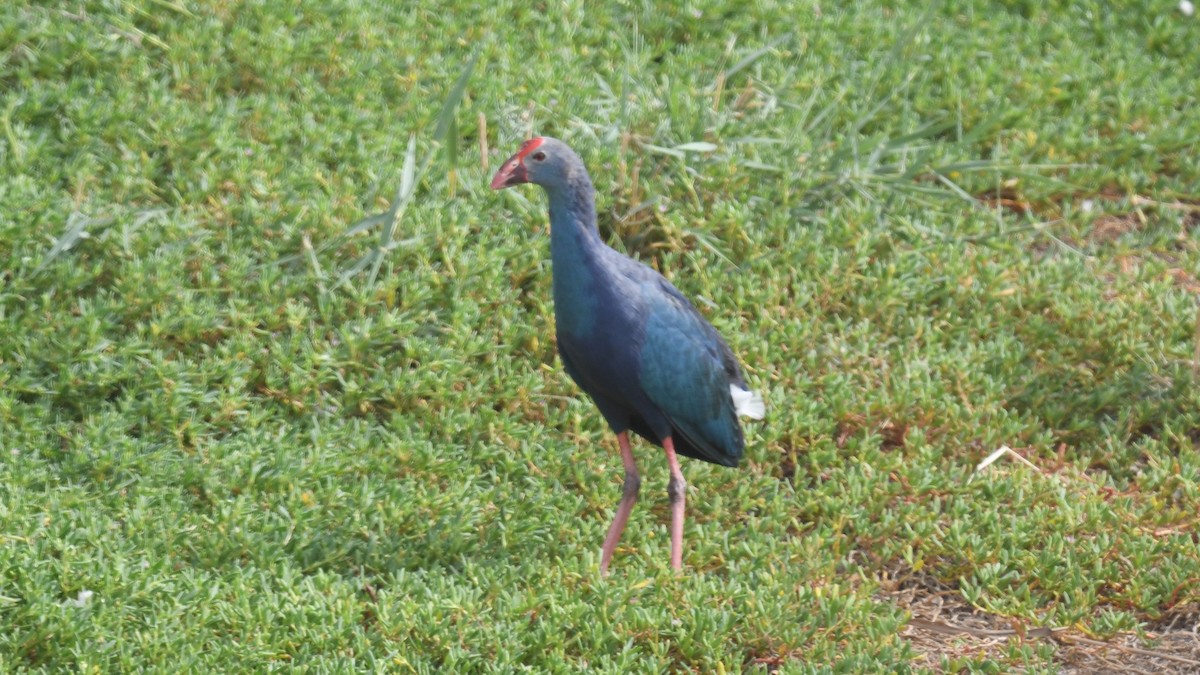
x=1108, y=228
x=944, y=626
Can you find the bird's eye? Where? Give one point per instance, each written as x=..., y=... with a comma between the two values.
x=539, y=156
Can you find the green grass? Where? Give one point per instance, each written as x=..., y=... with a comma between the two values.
x=265, y=438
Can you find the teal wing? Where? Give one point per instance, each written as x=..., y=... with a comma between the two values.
x=686, y=370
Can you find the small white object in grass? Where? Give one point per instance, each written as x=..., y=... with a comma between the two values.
x=82, y=599
x=987, y=461
x=1000, y=452
x=1186, y=7
x=1087, y=205
x=747, y=403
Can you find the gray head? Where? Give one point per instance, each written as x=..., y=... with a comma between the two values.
x=543, y=161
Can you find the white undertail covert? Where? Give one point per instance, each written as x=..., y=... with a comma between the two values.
x=747, y=403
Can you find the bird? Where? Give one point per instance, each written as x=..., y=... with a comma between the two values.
x=633, y=342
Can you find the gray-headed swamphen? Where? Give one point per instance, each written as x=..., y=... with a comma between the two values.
x=632, y=341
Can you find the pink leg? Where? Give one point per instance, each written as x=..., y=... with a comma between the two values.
x=629, y=495
x=676, y=489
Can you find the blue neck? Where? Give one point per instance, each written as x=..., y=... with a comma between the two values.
x=572, y=217
x=574, y=246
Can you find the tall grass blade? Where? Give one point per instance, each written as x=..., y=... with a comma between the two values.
x=408, y=185
x=408, y=175
x=357, y=267
x=446, y=116
x=409, y=179
x=660, y=150
x=753, y=56
x=452, y=154
x=75, y=232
